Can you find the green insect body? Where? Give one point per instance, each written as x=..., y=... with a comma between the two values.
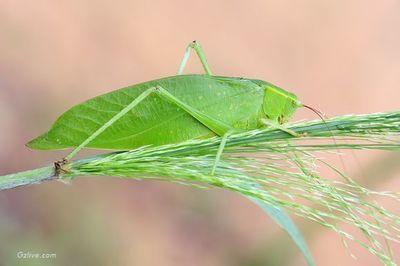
x=171, y=110
x=237, y=102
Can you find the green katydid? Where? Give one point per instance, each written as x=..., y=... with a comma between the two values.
x=176, y=109
x=171, y=110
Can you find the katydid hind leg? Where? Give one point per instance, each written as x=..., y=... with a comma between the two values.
x=101, y=129
x=185, y=58
x=218, y=127
x=214, y=124
x=219, y=152
x=195, y=46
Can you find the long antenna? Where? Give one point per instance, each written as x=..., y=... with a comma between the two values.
x=318, y=112
x=323, y=117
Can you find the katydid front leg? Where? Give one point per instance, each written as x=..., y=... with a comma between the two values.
x=282, y=128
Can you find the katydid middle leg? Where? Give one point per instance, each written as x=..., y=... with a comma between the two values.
x=219, y=152
x=266, y=122
x=196, y=46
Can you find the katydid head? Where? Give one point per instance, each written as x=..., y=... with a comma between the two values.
x=279, y=105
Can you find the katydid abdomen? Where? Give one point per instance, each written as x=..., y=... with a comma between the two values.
x=238, y=102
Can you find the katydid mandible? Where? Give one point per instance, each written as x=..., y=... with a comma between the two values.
x=171, y=110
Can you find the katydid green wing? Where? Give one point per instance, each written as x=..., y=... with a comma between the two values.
x=155, y=121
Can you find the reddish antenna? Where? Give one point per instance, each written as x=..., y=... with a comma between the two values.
x=323, y=117
x=318, y=112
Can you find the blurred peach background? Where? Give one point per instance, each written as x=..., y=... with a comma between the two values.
x=340, y=56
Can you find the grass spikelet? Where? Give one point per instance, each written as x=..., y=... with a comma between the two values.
x=272, y=166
